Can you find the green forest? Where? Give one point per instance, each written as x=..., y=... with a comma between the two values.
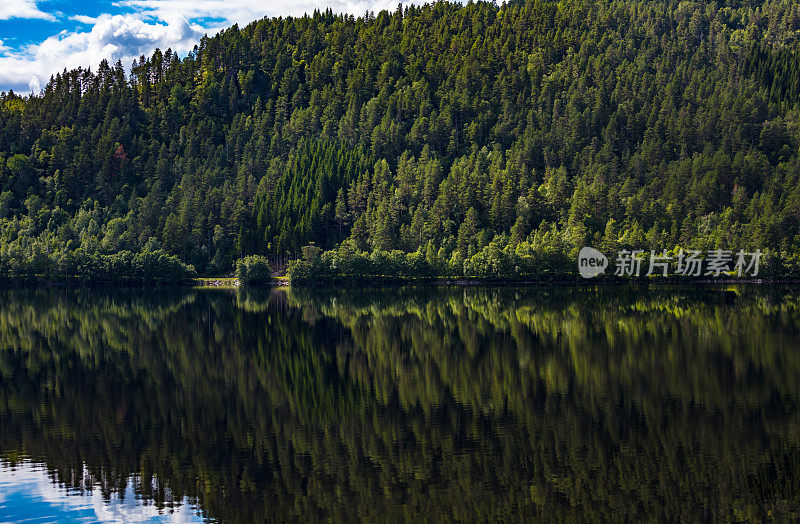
x=476, y=140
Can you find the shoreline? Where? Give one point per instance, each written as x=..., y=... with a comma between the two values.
x=468, y=282
x=233, y=283
x=285, y=281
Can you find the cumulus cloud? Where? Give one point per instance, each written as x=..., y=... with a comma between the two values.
x=244, y=11
x=118, y=37
x=22, y=9
x=147, y=24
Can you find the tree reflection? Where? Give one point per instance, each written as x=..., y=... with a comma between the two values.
x=451, y=403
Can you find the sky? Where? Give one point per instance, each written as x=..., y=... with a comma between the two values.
x=39, y=38
x=28, y=494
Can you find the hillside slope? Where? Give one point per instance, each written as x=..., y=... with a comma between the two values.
x=465, y=133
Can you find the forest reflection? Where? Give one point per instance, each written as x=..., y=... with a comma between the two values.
x=611, y=403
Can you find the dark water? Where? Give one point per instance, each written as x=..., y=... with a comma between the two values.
x=400, y=404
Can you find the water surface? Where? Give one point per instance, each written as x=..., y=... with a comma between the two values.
x=394, y=404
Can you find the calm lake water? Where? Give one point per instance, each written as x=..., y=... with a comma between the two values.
x=392, y=404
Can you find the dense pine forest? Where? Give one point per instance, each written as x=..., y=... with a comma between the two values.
x=446, y=139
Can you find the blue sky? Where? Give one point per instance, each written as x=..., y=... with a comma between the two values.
x=41, y=37
x=28, y=494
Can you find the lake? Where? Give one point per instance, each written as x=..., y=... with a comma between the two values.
x=387, y=404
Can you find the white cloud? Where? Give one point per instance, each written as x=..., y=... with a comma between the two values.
x=245, y=11
x=22, y=9
x=118, y=37
x=153, y=23
x=84, y=19
x=33, y=483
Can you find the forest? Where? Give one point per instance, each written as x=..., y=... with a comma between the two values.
x=446, y=139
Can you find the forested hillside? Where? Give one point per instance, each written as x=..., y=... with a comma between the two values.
x=473, y=138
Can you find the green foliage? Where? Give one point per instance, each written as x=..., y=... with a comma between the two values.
x=500, y=260
x=253, y=270
x=80, y=266
x=298, y=205
x=618, y=123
